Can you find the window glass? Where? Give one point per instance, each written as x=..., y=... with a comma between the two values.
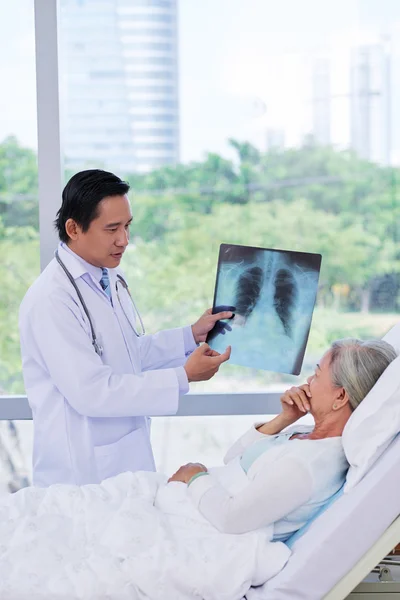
x=279, y=128
x=179, y=440
x=19, y=226
x=285, y=140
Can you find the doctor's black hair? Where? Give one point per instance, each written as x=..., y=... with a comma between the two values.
x=82, y=196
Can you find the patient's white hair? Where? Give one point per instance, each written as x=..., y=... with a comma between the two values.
x=356, y=365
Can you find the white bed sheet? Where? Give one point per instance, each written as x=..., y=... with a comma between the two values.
x=131, y=538
x=338, y=538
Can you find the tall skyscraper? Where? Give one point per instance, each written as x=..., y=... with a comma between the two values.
x=370, y=102
x=119, y=84
x=322, y=100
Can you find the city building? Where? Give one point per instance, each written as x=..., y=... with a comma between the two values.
x=370, y=102
x=119, y=84
x=322, y=102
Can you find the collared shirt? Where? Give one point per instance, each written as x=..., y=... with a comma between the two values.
x=92, y=270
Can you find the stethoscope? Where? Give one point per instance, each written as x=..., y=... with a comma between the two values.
x=120, y=281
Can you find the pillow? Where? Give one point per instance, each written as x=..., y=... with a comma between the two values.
x=376, y=421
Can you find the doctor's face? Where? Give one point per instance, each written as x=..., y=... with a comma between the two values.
x=104, y=243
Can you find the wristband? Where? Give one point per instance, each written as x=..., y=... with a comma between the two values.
x=196, y=476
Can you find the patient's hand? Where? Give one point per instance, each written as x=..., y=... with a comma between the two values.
x=186, y=472
x=296, y=401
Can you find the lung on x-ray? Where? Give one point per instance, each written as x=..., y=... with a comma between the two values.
x=272, y=294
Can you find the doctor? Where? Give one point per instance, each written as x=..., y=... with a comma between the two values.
x=91, y=376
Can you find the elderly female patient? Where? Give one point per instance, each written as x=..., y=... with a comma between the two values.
x=281, y=477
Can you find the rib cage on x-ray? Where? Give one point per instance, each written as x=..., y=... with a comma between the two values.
x=273, y=293
x=248, y=291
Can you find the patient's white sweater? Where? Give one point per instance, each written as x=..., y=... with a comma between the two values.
x=270, y=479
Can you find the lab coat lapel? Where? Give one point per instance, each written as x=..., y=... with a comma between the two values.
x=131, y=340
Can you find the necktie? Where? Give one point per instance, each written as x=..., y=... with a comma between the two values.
x=105, y=283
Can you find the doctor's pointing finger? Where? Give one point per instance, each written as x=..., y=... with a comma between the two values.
x=93, y=376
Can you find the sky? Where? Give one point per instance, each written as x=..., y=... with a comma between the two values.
x=244, y=66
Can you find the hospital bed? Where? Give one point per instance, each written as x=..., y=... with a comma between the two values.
x=346, y=540
x=349, y=537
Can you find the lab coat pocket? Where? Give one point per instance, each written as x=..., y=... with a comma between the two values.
x=131, y=453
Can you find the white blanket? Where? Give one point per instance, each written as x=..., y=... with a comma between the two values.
x=132, y=537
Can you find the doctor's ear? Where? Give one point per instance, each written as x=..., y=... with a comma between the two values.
x=72, y=229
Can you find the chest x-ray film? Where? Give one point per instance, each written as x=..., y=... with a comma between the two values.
x=272, y=295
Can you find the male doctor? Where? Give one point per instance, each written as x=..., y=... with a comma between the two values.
x=91, y=378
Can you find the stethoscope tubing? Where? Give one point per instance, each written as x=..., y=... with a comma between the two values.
x=97, y=347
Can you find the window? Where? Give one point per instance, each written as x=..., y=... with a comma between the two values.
x=297, y=157
x=179, y=440
x=19, y=225
x=286, y=140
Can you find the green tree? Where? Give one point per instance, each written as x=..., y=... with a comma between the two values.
x=18, y=184
x=175, y=275
x=19, y=248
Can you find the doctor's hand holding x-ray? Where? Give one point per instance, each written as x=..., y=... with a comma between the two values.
x=92, y=376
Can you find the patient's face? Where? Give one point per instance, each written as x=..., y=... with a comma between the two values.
x=323, y=392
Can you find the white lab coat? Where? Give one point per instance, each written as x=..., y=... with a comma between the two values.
x=91, y=413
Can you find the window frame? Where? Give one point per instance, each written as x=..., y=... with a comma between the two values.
x=16, y=408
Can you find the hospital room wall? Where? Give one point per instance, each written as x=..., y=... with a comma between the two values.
x=288, y=187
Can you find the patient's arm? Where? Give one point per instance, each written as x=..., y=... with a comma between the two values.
x=257, y=432
x=295, y=403
x=245, y=440
x=274, y=493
